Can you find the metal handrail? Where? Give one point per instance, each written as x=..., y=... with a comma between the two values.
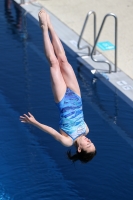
x=110, y=67
x=82, y=31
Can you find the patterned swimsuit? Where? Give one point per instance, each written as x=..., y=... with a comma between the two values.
x=71, y=115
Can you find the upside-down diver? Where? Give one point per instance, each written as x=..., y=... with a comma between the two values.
x=66, y=92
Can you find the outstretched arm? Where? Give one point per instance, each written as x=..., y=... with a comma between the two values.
x=57, y=136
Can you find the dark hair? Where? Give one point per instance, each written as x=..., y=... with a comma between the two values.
x=83, y=156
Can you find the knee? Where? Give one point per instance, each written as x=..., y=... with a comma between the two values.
x=62, y=59
x=53, y=61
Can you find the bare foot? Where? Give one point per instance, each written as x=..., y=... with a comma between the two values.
x=42, y=18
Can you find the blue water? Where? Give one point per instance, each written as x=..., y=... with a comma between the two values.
x=32, y=165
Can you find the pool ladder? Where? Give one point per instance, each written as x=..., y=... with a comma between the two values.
x=93, y=52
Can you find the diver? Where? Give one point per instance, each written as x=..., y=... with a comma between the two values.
x=67, y=96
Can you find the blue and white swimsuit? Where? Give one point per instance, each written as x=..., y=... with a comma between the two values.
x=71, y=115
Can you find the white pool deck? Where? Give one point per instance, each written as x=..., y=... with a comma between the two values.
x=68, y=17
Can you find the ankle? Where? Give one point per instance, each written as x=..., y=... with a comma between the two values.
x=50, y=27
x=44, y=27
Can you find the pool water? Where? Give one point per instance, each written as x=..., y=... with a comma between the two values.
x=33, y=165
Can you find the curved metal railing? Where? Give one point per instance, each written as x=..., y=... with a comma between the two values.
x=82, y=31
x=93, y=50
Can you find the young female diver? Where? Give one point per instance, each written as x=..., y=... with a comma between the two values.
x=66, y=91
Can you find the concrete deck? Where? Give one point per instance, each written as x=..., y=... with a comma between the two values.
x=73, y=14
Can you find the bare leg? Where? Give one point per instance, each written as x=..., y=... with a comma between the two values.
x=57, y=81
x=66, y=68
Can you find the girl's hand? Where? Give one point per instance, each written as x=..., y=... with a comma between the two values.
x=28, y=119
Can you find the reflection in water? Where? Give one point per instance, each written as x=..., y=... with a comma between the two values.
x=113, y=108
x=16, y=18
x=14, y=21
x=98, y=96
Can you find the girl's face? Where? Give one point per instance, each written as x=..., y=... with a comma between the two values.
x=85, y=144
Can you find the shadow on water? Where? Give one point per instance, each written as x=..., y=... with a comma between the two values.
x=34, y=166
